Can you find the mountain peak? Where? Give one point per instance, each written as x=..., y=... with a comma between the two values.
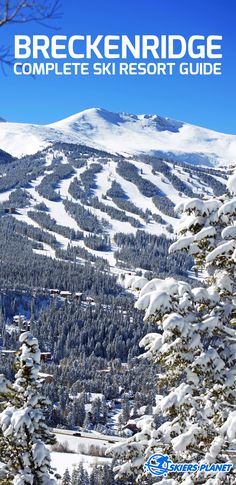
x=2, y=120
x=126, y=134
x=95, y=118
x=91, y=115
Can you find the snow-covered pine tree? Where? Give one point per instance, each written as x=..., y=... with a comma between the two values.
x=93, y=476
x=80, y=476
x=5, y=391
x=83, y=477
x=211, y=225
x=74, y=476
x=195, y=417
x=171, y=305
x=24, y=433
x=66, y=479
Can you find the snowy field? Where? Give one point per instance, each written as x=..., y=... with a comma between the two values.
x=61, y=461
x=81, y=449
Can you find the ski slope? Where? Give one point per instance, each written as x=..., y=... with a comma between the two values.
x=157, y=221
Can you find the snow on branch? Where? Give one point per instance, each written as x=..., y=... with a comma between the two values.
x=226, y=248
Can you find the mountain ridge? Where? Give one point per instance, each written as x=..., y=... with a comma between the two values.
x=123, y=133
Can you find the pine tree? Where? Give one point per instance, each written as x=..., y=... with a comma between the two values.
x=125, y=412
x=74, y=476
x=93, y=476
x=24, y=433
x=195, y=415
x=66, y=479
x=83, y=477
x=80, y=476
x=86, y=478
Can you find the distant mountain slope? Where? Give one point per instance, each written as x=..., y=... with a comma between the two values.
x=5, y=157
x=126, y=134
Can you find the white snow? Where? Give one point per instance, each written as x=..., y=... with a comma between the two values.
x=229, y=232
x=182, y=243
x=121, y=133
x=228, y=208
x=229, y=427
x=180, y=395
x=199, y=206
x=181, y=442
x=61, y=461
x=134, y=282
x=135, y=196
x=103, y=180
x=225, y=248
x=4, y=384
x=79, y=448
x=231, y=185
x=125, y=133
x=206, y=232
x=4, y=195
x=157, y=295
x=152, y=342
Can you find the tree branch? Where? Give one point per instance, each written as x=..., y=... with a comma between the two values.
x=25, y=11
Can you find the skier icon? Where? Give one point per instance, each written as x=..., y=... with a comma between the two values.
x=158, y=464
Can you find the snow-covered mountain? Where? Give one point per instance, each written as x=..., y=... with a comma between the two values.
x=126, y=134
x=83, y=198
x=93, y=178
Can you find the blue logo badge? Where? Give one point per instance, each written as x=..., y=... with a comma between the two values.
x=158, y=464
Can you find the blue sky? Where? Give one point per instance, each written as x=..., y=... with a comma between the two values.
x=206, y=101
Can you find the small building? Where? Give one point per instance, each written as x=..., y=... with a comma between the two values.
x=131, y=428
x=9, y=210
x=7, y=352
x=21, y=322
x=65, y=294
x=89, y=299
x=54, y=291
x=46, y=356
x=18, y=318
x=48, y=378
x=25, y=327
